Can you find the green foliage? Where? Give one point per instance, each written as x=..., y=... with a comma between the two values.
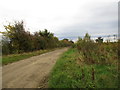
x=65, y=42
x=16, y=57
x=89, y=65
x=69, y=72
x=99, y=53
x=21, y=40
x=87, y=37
x=99, y=40
x=5, y=45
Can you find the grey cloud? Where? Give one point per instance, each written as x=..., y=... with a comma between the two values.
x=103, y=20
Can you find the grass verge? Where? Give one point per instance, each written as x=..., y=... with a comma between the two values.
x=16, y=57
x=69, y=73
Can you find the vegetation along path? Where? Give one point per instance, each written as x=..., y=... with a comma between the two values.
x=32, y=72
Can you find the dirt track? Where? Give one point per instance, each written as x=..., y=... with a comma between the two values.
x=30, y=73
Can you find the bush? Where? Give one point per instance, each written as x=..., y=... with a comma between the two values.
x=99, y=53
x=20, y=40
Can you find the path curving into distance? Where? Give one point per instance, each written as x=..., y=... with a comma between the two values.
x=30, y=73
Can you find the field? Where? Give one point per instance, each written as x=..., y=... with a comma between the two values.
x=73, y=71
x=16, y=57
x=87, y=64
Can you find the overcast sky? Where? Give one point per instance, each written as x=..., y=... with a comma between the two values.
x=65, y=18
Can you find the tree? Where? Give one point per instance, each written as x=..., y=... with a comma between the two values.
x=20, y=40
x=87, y=37
x=99, y=40
x=46, y=34
x=71, y=42
x=5, y=45
x=114, y=37
x=65, y=39
x=48, y=38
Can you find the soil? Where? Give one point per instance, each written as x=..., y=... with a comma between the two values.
x=32, y=72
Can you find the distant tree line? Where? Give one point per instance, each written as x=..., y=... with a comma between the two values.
x=17, y=40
